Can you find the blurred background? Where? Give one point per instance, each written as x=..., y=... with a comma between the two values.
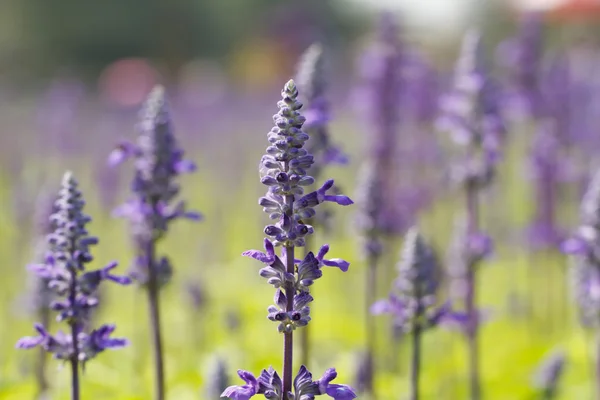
x=73, y=75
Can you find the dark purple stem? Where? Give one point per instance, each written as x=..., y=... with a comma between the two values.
x=290, y=291
x=74, y=361
x=471, y=303
x=371, y=294
x=415, y=367
x=154, y=309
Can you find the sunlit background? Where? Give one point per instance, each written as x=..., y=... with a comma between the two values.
x=73, y=75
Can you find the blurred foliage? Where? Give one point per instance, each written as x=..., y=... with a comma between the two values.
x=87, y=35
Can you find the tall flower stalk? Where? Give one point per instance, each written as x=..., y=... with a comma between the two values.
x=471, y=114
x=413, y=301
x=284, y=170
x=158, y=162
x=312, y=83
x=74, y=287
x=584, y=248
x=380, y=93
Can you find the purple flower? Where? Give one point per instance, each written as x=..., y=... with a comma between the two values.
x=158, y=162
x=242, y=392
x=413, y=296
x=312, y=83
x=74, y=288
x=283, y=169
x=522, y=57
x=472, y=114
x=337, y=392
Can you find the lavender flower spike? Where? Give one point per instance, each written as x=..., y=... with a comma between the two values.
x=378, y=215
x=158, y=162
x=312, y=83
x=472, y=115
x=64, y=270
x=413, y=302
x=284, y=171
x=584, y=248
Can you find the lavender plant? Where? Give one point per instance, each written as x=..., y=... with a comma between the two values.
x=378, y=215
x=584, y=247
x=158, y=162
x=413, y=300
x=284, y=171
x=65, y=271
x=312, y=82
x=548, y=375
x=471, y=114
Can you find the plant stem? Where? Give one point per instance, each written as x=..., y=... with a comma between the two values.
x=154, y=309
x=371, y=294
x=415, y=368
x=471, y=304
x=290, y=291
x=74, y=361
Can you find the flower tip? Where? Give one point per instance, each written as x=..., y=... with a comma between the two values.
x=116, y=157
x=344, y=201
x=185, y=167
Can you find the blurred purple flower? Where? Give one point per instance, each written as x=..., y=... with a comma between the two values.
x=522, y=57
x=74, y=288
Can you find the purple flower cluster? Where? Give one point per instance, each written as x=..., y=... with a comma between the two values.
x=312, y=83
x=73, y=286
x=270, y=385
x=584, y=246
x=522, y=56
x=284, y=171
x=413, y=300
x=380, y=95
x=158, y=161
x=472, y=114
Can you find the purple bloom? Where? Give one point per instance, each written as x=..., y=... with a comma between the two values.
x=584, y=248
x=283, y=169
x=333, y=262
x=471, y=113
x=158, y=162
x=242, y=392
x=414, y=293
x=74, y=288
x=337, y=392
x=380, y=94
x=312, y=83
x=522, y=56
